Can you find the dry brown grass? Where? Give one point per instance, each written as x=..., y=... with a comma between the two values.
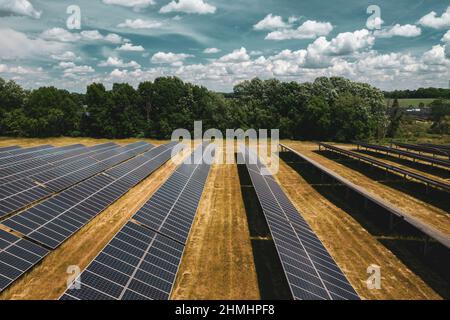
x=218, y=259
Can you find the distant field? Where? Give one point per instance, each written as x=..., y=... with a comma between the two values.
x=412, y=102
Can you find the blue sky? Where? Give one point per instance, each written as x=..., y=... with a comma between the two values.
x=219, y=43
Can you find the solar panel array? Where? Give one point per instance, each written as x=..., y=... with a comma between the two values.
x=56, y=219
x=16, y=257
x=388, y=150
x=377, y=163
x=172, y=208
x=126, y=268
x=5, y=151
x=34, y=166
x=311, y=272
x=422, y=148
x=141, y=261
x=24, y=154
x=444, y=147
x=40, y=155
x=19, y=194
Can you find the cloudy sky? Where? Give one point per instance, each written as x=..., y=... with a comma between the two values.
x=218, y=43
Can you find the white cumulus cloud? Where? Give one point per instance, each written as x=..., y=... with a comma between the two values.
x=236, y=56
x=446, y=37
x=130, y=47
x=308, y=30
x=140, y=24
x=19, y=7
x=398, y=30
x=118, y=63
x=211, y=50
x=271, y=22
x=432, y=20
x=135, y=4
x=62, y=35
x=15, y=44
x=174, y=59
x=66, y=56
x=189, y=6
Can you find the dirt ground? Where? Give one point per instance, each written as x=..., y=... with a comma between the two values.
x=48, y=280
x=218, y=259
x=353, y=248
x=426, y=212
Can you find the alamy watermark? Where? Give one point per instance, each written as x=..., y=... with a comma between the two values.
x=260, y=145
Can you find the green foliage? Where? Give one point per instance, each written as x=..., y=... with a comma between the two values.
x=440, y=114
x=395, y=119
x=327, y=109
x=421, y=93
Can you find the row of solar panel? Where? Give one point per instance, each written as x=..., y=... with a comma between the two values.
x=53, y=221
x=16, y=257
x=7, y=150
x=17, y=150
x=141, y=261
x=21, y=193
x=388, y=167
x=41, y=164
x=24, y=154
x=41, y=155
x=311, y=272
x=413, y=155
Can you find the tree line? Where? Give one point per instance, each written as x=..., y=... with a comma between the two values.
x=327, y=109
x=421, y=93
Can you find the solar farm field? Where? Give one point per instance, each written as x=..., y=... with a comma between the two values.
x=145, y=227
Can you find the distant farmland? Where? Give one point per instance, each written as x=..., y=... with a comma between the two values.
x=412, y=102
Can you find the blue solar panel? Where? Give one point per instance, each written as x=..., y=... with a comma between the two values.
x=54, y=220
x=311, y=272
x=17, y=195
x=17, y=256
x=141, y=262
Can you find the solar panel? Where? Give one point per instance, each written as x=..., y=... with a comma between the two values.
x=140, y=263
x=17, y=256
x=28, y=168
x=172, y=208
x=311, y=272
x=412, y=155
x=24, y=154
x=19, y=194
x=53, y=221
x=30, y=149
x=377, y=163
x=4, y=151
